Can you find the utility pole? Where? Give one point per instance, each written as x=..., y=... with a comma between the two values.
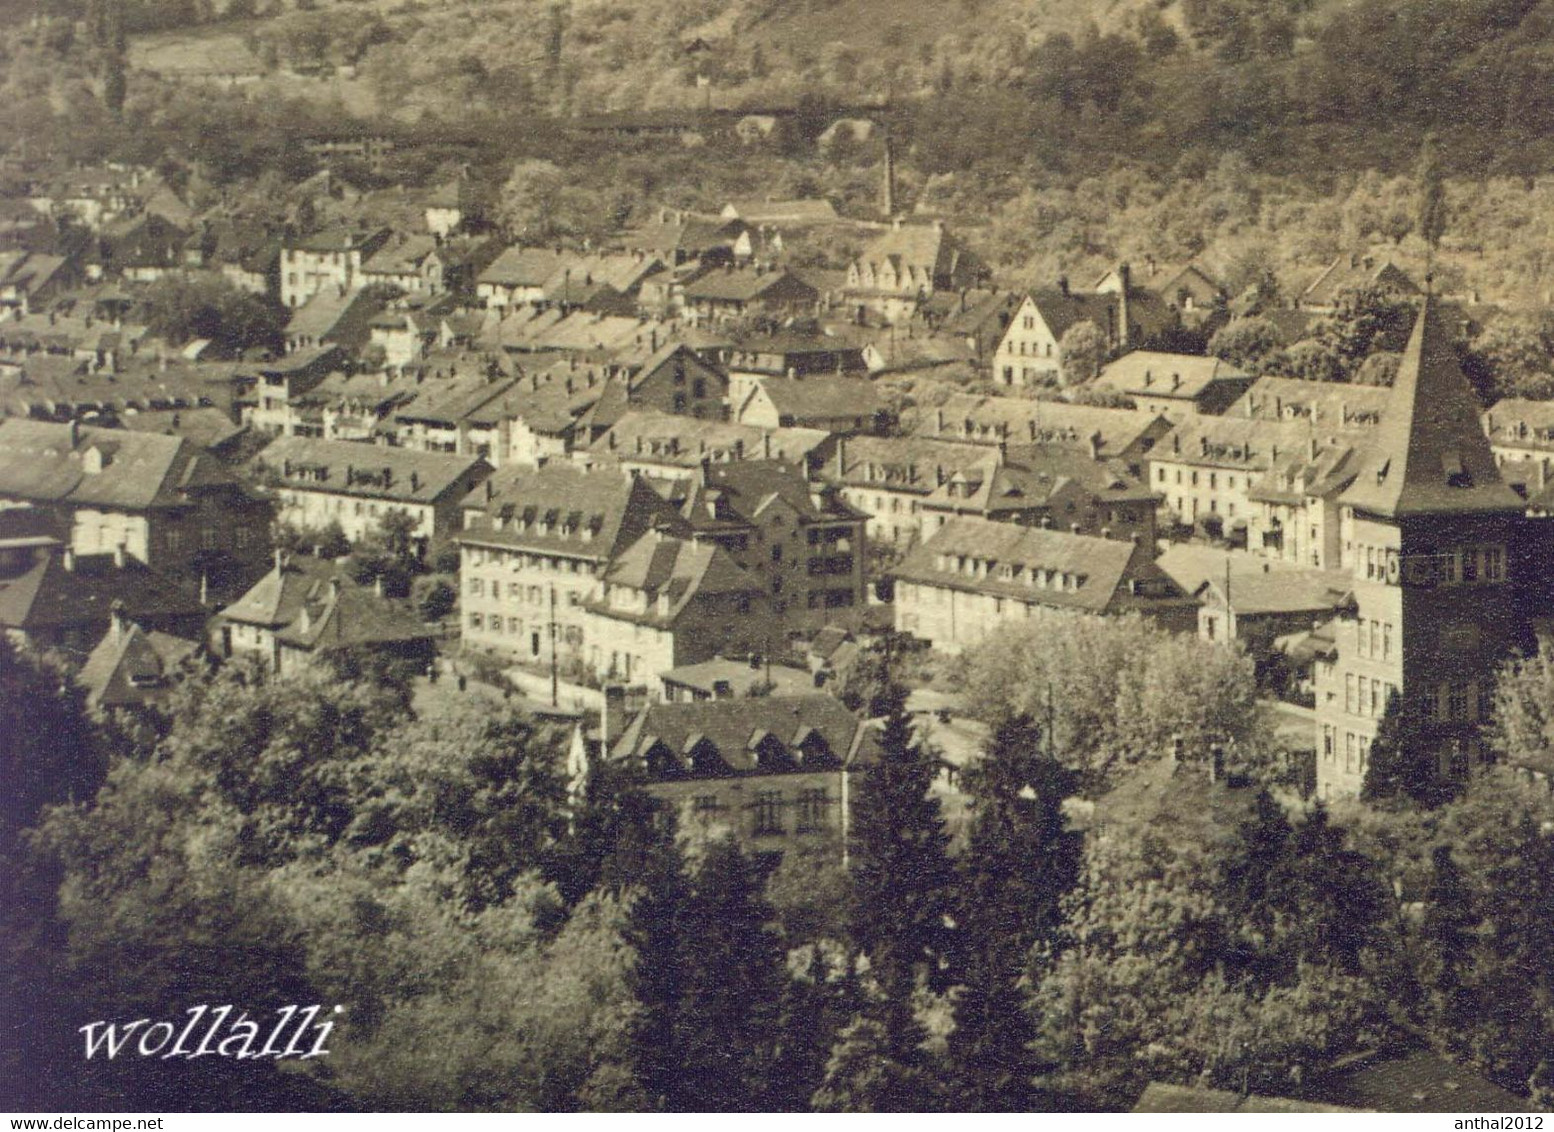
x=555, y=670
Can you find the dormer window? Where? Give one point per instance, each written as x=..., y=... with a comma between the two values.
x=1457, y=474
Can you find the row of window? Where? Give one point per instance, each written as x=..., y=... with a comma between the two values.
x=1191, y=478
x=1367, y=697
x=519, y=592
x=1357, y=750
x=1460, y=566
x=812, y=811
x=1374, y=639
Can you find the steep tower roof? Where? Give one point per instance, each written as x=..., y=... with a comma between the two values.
x=1430, y=455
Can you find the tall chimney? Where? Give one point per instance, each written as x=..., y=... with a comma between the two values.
x=1125, y=281
x=888, y=184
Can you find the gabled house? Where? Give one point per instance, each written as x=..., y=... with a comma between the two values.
x=307, y=610
x=160, y=500
x=906, y=265
x=777, y=773
x=666, y=601
x=318, y=482
x=1355, y=272
x=535, y=546
x=1174, y=385
x=1128, y=435
x=729, y=292
x=53, y=598
x=134, y=669
x=972, y=575
x=802, y=542
x=841, y=405
x=327, y=260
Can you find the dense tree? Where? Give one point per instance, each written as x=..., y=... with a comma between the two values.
x=725, y=1028
x=180, y=309
x=1115, y=692
x=901, y=871
x=1251, y=344
x=1083, y=349
x=1018, y=864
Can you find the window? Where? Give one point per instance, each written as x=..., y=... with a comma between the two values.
x=1349, y=752
x=1364, y=637
x=1375, y=697
x=476, y=621
x=1349, y=693
x=812, y=810
x=1327, y=743
x=1386, y=641
x=768, y=812
x=477, y=587
x=1494, y=564
x=1375, y=637
x=704, y=807
x=1462, y=701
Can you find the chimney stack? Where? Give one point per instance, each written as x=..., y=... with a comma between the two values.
x=1125, y=280
x=68, y=559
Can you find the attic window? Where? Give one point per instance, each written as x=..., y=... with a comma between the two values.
x=1456, y=474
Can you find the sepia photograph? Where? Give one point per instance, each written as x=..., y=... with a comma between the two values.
x=776, y=557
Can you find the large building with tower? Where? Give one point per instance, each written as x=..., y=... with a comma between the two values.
x=1431, y=536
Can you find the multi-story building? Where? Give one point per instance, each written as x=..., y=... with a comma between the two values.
x=1208, y=466
x=801, y=541
x=906, y=265
x=306, y=610
x=318, y=482
x=331, y=259
x=888, y=479
x=535, y=546
x=973, y=575
x=1430, y=533
x=776, y=772
x=1127, y=435
x=666, y=601
x=160, y=500
x=1052, y=486
x=1174, y=385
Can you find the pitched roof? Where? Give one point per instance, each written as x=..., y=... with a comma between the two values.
x=1327, y=404
x=782, y=213
x=1353, y=272
x=1159, y=1097
x=737, y=677
x=904, y=463
x=207, y=428
x=1019, y=420
x=131, y=666
x=742, y=491
x=52, y=463
x=313, y=604
x=1158, y=374
x=1046, y=567
x=1430, y=455
x=681, y=441
x=1062, y=309
x=744, y=285
x=345, y=467
x=816, y=725
x=823, y=397
x=46, y=594
x=1257, y=585
x=675, y=569
x=589, y=514
x=1413, y=1081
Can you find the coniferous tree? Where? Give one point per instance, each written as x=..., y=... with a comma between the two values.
x=647, y=864
x=902, y=874
x=731, y=971
x=816, y=1004
x=1395, y=769
x=868, y=1073
x=1018, y=864
x=1449, y=935
x=1254, y=890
